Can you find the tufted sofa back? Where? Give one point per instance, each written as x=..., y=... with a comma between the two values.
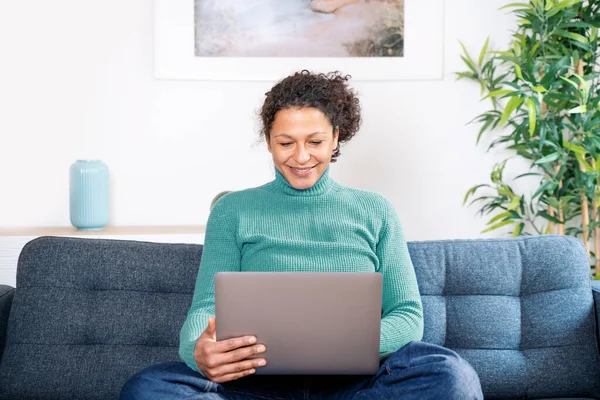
x=89, y=313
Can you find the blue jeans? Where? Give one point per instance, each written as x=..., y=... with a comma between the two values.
x=417, y=371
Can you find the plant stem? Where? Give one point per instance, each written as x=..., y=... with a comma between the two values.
x=531, y=221
x=561, y=226
x=585, y=217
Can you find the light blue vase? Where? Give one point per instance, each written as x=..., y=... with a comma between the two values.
x=89, y=194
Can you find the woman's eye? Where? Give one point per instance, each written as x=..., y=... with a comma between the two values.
x=317, y=142
x=285, y=144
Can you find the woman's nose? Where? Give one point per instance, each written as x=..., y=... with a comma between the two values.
x=302, y=155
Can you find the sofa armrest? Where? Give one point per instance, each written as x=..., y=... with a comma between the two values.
x=6, y=298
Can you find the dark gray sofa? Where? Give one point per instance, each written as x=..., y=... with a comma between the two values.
x=89, y=313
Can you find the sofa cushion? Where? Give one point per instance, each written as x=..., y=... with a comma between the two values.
x=87, y=314
x=519, y=310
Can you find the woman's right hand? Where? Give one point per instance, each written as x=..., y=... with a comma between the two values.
x=226, y=360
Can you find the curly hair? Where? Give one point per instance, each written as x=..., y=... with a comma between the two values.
x=329, y=93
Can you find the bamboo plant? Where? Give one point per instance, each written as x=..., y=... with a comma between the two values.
x=544, y=96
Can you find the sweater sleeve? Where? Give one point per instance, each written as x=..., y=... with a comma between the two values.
x=402, y=319
x=220, y=253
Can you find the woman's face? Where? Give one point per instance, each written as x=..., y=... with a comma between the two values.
x=302, y=141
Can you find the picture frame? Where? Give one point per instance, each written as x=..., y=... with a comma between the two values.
x=175, y=59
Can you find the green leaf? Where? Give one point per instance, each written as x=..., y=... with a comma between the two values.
x=563, y=97
x=581, y=80
x=516, y=48
x=483, y=128
x=543, y=131
x=570, y=81
x=541, y=189
x=585, y=47
x=483, y=51
x=514, y=203
x=532, y=116
x=526, y=5
x=540, y=98
x=583, y=163
x=498, y=225
x=549, y=158
x=498, y=93
x=572, y=35
x=513, y=84
x=539, y=89
x=461, y=75
x=522, y=206
x=513, y=104
x=551, y=201
x=506, y=192
x=566, y=199
x=469, y=64
x=467, y=58
x=573, y=147
x=555, y=9
x=527, y=174
x=565, y=4
x=518, y=230
x=518, y=71
x=575, y=24
x=578, y=110
x=500, y=216
x=539, y=4
x=549, y=217
x=479, y=199
x=472, y=191
x=584, y=88
x=518, y=146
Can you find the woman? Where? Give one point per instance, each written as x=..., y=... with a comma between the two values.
x=304, y=221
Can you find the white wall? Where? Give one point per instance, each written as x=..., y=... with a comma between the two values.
x=77, y=81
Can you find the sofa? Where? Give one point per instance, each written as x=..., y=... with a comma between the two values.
x=88, y=313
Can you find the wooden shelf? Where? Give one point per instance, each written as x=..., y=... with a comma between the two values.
x=107, y=230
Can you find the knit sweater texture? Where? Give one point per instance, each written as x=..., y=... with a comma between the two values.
x=325, y=228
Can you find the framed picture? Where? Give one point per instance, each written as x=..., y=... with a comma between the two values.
x=266, y=40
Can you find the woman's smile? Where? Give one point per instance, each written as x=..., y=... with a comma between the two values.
x=301, y=172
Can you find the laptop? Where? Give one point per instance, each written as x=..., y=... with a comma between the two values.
x=312, y=323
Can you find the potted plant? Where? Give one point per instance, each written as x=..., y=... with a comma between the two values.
x=544, y=97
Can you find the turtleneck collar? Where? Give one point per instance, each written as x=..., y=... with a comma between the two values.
x=322, y=186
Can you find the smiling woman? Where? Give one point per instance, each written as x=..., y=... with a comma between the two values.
x=304, y=221
x=305, y=118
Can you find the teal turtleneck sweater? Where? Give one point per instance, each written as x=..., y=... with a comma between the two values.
x=327, y=227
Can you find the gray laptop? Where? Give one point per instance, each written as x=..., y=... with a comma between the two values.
x=312, y=323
